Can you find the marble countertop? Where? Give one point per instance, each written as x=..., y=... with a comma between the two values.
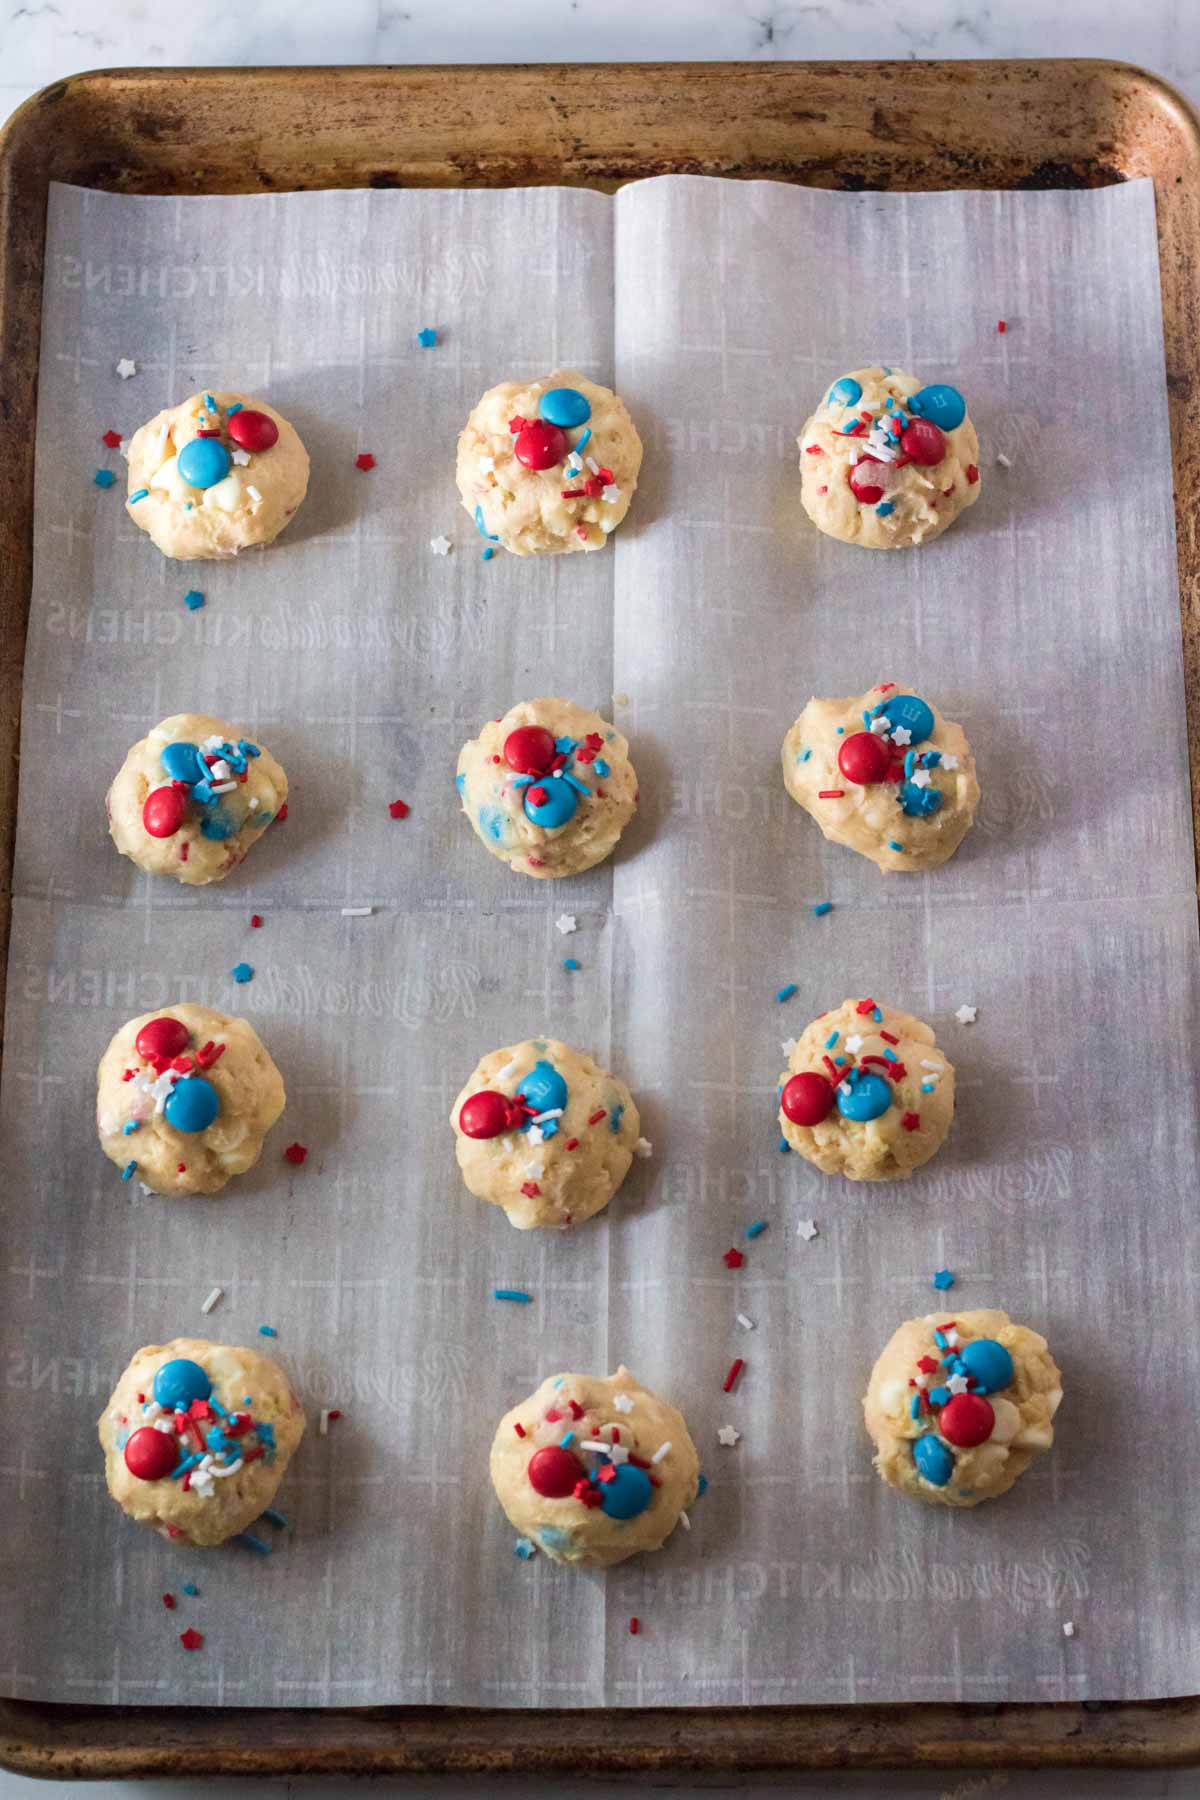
x=41, y=42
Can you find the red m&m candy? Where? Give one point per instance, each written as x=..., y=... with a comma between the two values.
x=807, y=1098
x=161, y=1039
x=923, y=441
x=487, y=1114
x=967, y=1420
x=863, y=758
x=553, y=1472
x=253, y=430
x=150, y=1454
x=866, y=489
x=540, y=445
x=163, y=812
x=529, y=749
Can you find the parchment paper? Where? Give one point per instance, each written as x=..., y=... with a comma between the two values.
x=1046, y=620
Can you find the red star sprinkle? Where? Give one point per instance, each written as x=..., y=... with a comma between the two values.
x=591, y=1496
x=295, y=1153
x=169, y=1602
x=256, y=920
x=191, y=1639
x=364, y=460
x=399, y=809
x=606, y=1472
x=530, y=1189
x=927, y=1365
x=733, y=1259
x=897, y=1071
x=911, y=1121
x=112, y=439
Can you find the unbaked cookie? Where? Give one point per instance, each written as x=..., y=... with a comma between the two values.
x=185, y=1097
x=214, y=475
x=191, y=798
x=546, y=1133
x=886, y=462
x=959, y=1405
x=593, y=1471
x=885, y=774
x=197, y=1438
x=548, y=788
x=866, y=1093
x=547, y=466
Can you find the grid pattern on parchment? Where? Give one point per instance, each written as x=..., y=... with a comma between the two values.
x=1046, y=621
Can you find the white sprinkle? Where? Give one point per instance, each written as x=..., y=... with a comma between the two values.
x=957, y=1384
x=534, y=1168
x=164, y=1424
x=357, y=912
x=854, y=1043
x=554, y=1112
x=440, y=546
x=881, y=724
x=843, y=1087
x=745, y=1323
x=220, y=1469
x=324, y=1425
x=535, y=1135
x=506, y=1144
x=807, y=1229
x=1004, y=461
x=617, y=1452
x=685, y=1521
x=663, y=1450
x=787, y=1046
x=253, y=492
x=597, y=1444
x=593, y=465
x=1069, y=1628
x=126, y=367
x=565, y=923
x=510, y=1068
x=225, y=787
x=241, y=457
x=123, y=447
x=926, y=1064
x=643, y=1148
x=921, y=778
x=728, y=1436
x=966, y=1014
x=488, y=464
x=611, y=494
x=253, y=804
x=949, y=762
x=623, y=1403
x=902, y=735
x=212, y=1300
x=213, y=742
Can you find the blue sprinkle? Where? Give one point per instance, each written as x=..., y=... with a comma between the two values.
x=931, y=759
x=427, y=337
x=786, y=992
x=140, y=495
x=267, y=1331
x=517, y=1294
x=129, y=1127
x=703, y=1483
x=230, y=410
x=104, y=478
x=877, y=1015
x=784, y=1146
x=939, y=1396
x=832, y=1039
x=943, y=1279
x=253, y=1543
x=189, y=1462
x=487, y=555
x=805, y=756
x=193, y=600
x=927, y=1087
x=264, y=1432
x=893, y=845
x=888, y=404
x=482, y=528
x=840, y=1061
x=247, y=748
x=866, y=719
x=567, y=1438
x=242, y=972
x=210, y=403
x=277, y=1519
x=841, y=730
x=910, y=763
x=826, y=906
x=218, y=1408
x=753, y=1231
x=939, y=1339
x=583, y=440
x=602, y=768
x=550, y=1128
x=570, y=963
x=524, y=1548
x=890, y=1055
x=615, y=1117
x=884, y=508
x=189, y=1587
x=127, y=1171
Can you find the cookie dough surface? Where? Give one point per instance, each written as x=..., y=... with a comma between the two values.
x=959, y=1404
x=152, y=1098
x=226, y=796
x=544, y=762
x=250, y=493
x=561, y=1133
x=574, y=501
x=866, y=1093
x=232, y=1425
x=908, y=802
x=905, y=500
x=614, y=1489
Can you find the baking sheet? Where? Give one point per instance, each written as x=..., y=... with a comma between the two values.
x=1046, y=620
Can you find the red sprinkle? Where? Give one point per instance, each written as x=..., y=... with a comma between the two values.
x=256, y=920
x=112, y=439
x=530, y=1189
x=831, y=793
x=813, y=450
x=281, y=815
x=181, y=1168
x=1001, y=325
x=519, y=1428
x=735, y=1369
x=183, y=852
x=733, y=1259
x=911, y=1121
x=881, y=1060
x=822, y=490
x=927, y=1364
x=834, y=1074
x=884, y=687
x=888, y=1038
x=897, y=1071
x=865, y=1006
x=596, y=1116
x=295, y=1153
x=364, y=460
x=576, y=1409
x=972, y=474
x=572, y=494
x=335, y=1412
x=191, y=1639
x=399, y=809
x=169, y=1602
x=635, y=1626
x=571, y=1144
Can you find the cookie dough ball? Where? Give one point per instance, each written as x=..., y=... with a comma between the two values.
x=546, y=1133
x=886, y=462
x=546, y=466
x=191, y=798
x=185, y=1097
x=197, y=1438
x=217, y=474
x=593, y=1471
x=959, y=1405
x=549, y=788
x=885, y=774
x=866, y=1093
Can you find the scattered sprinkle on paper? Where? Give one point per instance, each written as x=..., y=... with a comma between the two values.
x=126, y=367
x=364, y=460
x=807, y=1229
x=242, y=972
x=193, y=600
x=295, y=1154
x=440, y=546
x=104, y=478
x=643, y=1148
x=357, y=912
x=427, y=337
x=1069, y=1628
x=727, y=1435
x=399, y=809
x=943, y=1279
x=966, y=1014
x=565, y=923
x=207, y=1305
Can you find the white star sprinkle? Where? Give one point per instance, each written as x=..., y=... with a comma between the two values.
x=241, y=457
x=440, y=546
x=807, y=1229
x=902, y=735
x=126, y=367
x=957, y=1384
x=623, y=1403
x=487, y=464
x=643, y=1148
x=949, y=762
x=787, y=1046
x=854, y=1043
x=611, y=494
x=880, y=725
x=565, y=923
x=966, y=1014
x=920, y=778
x=535, y=1135
x=728, y=1436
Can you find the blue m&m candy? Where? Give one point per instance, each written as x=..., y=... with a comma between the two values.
x=192, y=1104
x=203, y=462
x=869, y=1096
x=934, y=1461
x=550, y=803
x=565, y=407
x=183, y=762
x=846, y=392
x=627, y=1494
x=911, y=712
x=179, y=1382
x=544, y=1088
x=988, y=1363
x=940, y=403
